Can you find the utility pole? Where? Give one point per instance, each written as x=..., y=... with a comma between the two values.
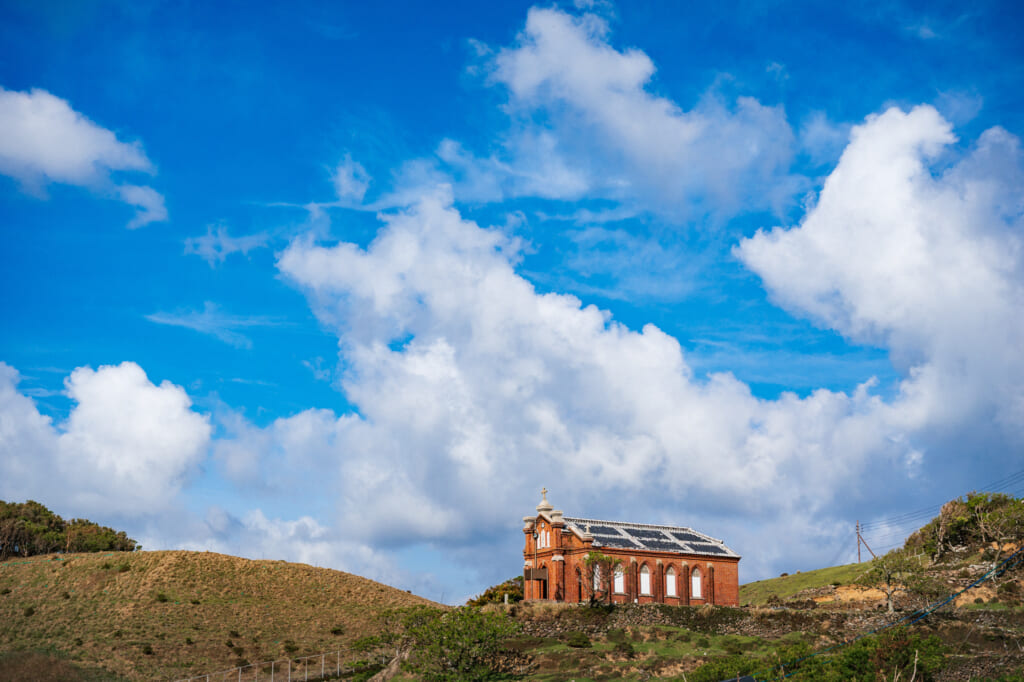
x=860, y=539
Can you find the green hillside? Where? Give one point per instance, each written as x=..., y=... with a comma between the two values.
x=170, y=614
x=758, y=593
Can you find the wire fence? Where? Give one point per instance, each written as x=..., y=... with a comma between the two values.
x=333, y=665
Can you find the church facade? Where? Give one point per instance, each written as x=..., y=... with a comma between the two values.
x=653, y=564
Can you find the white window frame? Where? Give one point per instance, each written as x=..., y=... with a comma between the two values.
x=695, y=591
x=670, y=582
x=619, y=581
x=645, y=581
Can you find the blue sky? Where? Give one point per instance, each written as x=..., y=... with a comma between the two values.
x=348, y=283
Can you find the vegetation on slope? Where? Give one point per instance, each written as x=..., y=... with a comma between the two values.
x=29, y=529
x=785, y=587
x=171, y=614
x=511, y=589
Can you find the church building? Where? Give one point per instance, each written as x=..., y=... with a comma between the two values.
x=653, y=564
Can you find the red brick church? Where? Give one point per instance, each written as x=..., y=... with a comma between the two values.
x=656, y=564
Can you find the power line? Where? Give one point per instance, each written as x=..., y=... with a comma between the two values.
x=1012, y=483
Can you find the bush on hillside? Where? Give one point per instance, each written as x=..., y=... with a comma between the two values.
x=513, y=587
x=455, y=645
x=972, y=521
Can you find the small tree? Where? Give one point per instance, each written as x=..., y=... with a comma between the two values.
x=895, y=573
x=1000, y=521
x=600, y=574
x=457, y=644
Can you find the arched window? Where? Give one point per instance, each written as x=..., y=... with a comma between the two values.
x=695, y=583
x=597, y=578
x=670, y=582
x=645, y=580
x=620, y=580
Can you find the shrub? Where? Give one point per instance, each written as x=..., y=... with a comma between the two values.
x=512, y=588
x=624, y=649
x=578, y=640
x=78, y=641
x=29, y=611
x=147, y=649
x=234, y=634
x=6, y=590
x=455, y=645
x=196, y=601
x=337, y=630
x=188, y=640
x=616, y=635
x=161, y=597
x=65, y=594
x=124, y=568
x=118, y=634
x=702, y=643
x=290, y=646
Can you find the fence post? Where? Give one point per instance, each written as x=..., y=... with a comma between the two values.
x=272, y=670
x=339, y=663
x=289, y=669
x=322, y=666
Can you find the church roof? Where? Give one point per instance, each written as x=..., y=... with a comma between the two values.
x=640, y=536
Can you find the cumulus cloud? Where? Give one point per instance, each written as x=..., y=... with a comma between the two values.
x=473, y=389
x=46, y=141
x=923, y=260
x=126, y=447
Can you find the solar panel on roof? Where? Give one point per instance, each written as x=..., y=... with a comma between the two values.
x=663, y=545
x=707, y=548
x=645, y=533
x=602, y=530
x=688, y=537
x=617, y=542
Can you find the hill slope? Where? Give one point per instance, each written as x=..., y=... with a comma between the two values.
x=170, y=614
x=758, y=593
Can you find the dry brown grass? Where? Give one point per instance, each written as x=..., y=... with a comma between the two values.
x=107, y=610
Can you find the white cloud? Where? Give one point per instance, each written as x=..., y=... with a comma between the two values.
x=216, y=245
x=127, y=446
x=216, y=323
x=926, y=262
x=620, y=140
x=350, y=180
x=45, y=140
x=496, y=390
x=149, y=202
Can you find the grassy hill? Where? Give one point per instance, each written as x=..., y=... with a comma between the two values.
x=784, y=587
x=171, y=614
